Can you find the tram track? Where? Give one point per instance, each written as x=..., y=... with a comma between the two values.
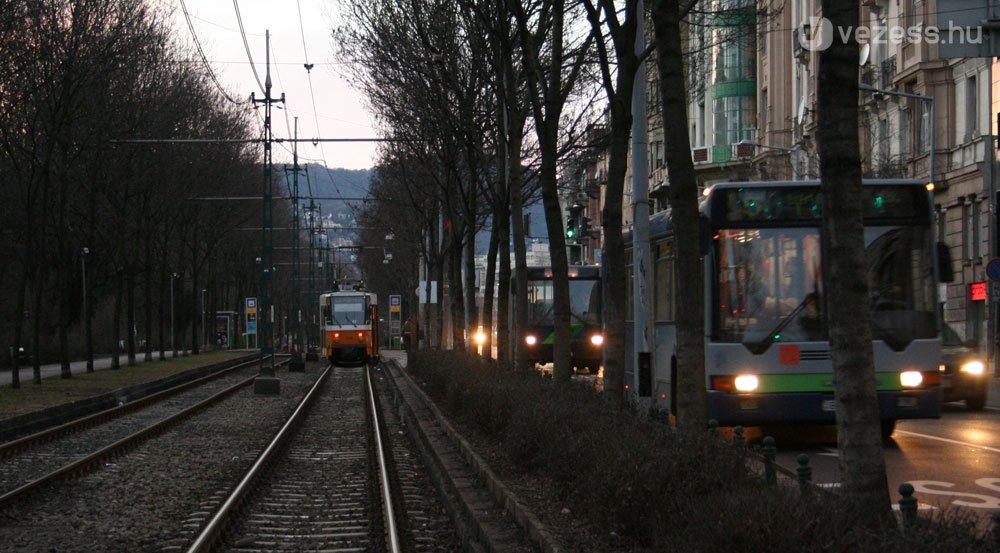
x=322, y=483
x=75, y=448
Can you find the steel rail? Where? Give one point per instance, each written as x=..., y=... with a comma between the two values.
x=212, y=531
x=80, y=465
x=392, y=535
x=14, y=446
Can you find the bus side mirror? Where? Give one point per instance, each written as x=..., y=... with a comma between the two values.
x=945, y=271
x=704, y=235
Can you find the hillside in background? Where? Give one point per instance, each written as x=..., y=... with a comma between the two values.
x=335, y=182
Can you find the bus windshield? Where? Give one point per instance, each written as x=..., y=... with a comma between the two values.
x=348, y=310
x=584, y=299
x=769, y=285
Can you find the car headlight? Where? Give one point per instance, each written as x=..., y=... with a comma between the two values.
x=597, y=339
x=911, y=379
x=530, y=339
x=975, y=367
x=480, y=337
x=746, y=382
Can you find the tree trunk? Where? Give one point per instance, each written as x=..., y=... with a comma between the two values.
x=503, y=290
x=560, y=262
x=690, y=387
x=471, y=311
x=520, y=296
x=489, y=285
x=116, y=331
x=148, y=297
x=859, y=442
x=130, y=314
x=455, y=291
x=616, y=307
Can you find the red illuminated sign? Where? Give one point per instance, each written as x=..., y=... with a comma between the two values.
x=977, y=291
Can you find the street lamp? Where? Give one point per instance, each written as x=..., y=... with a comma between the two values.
x=86, y=313
x=173, y=325
x=930, y=99
x=796, y=175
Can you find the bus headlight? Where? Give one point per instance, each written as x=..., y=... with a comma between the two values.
x=530, y=339
x=911, y=379
x=746, y=382
x=597, y=339
x=973, y=367
x=480, y=337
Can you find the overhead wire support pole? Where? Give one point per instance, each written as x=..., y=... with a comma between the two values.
x=641, y=356
x=296, y=364
x=266, y=382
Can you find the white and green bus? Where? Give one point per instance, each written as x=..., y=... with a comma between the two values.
x=767, y=350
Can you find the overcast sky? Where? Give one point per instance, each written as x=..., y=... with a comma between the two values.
x=338, y=112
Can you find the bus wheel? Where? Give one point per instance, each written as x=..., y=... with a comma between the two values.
x=888, y=425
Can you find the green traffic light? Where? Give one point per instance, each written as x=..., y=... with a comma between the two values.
x=570, y=233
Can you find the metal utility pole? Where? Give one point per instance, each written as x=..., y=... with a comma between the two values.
x=267, y=382
x=642, y=360
x=311, y=353
x=296, y=364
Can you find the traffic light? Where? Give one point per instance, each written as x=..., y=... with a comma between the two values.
x=584, y=226
x=571, y=228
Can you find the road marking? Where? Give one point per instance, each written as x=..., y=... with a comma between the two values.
x=950, y=441
x=831, y=452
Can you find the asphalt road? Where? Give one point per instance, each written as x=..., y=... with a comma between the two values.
x=952, y=462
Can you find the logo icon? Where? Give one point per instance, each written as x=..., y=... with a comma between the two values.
x=816, y=35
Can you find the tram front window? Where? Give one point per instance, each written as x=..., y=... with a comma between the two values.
x=584, y=299
x=348, y=311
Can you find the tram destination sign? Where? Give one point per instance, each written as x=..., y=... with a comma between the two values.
x=765, y=204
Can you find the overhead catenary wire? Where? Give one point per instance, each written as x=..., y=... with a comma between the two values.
x=204, y=59
x=246, y=45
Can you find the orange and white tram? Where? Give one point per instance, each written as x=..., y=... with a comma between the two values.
x=349, y=327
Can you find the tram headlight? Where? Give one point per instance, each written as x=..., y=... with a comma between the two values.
x=480, y=337
x=746, y=382
x=973, y=367
x=531, y=339
x=597, y=339
x=911, y=379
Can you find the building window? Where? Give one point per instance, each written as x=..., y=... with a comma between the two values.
x=905, y=132
x=971, y=108
x=763, y=110
x=968, y=231
x=663, y=287
x=924, y=139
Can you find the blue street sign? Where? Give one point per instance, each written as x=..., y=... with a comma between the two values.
x=993, y=269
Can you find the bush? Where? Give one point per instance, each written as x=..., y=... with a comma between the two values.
x=662, y=488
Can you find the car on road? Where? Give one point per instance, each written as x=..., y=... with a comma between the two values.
x=963, y=370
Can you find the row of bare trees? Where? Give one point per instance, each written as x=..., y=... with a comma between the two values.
x=104, y=238
x=485, y=98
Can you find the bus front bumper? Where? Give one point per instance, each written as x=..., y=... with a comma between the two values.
x=815, y=408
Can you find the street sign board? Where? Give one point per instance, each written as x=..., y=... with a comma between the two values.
x=394, y=304
x=993, y=269
x=251, y=314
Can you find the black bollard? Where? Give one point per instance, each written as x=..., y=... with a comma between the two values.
x=907, y=504
x=769, y=452
x=713, y=427
x=804, y=472
x=738, y=439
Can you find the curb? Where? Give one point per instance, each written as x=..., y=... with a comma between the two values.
x=536, y=531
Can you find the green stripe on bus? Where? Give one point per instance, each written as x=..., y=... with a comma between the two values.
x=782, y=383
x=573, y=331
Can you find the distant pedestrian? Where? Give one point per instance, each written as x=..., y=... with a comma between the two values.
x=408, y=341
